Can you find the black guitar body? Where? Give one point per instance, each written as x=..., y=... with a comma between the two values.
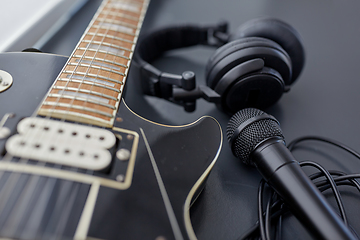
x=155, y=174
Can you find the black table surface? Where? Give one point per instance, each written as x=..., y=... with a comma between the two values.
x=323, y=101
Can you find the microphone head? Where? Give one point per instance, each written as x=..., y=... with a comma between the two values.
x=248, y=128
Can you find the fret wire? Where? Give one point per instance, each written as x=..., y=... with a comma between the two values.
x=128, y=1
x=127, y=12
x=108, y=44
x=111, y=36
x=74, y=116
x=121, y=15
x=88, y=70
x=101, y=27
x=104, y=51
x=55, y=95
x=64, y=218
x=92, y=84
x=117, y=32
x=119, y=5
x=102, y=7
x=72, y=106
x=96, y=63
x=90, y=95
x=85, y=91
x=26, y=160
x=91, y=75
x=112, y=80
x=119, y=23
x=99, y=59
x=140, y=2
x=101, y=51
x=97, y=42
x=84, y=96
x=95, y=67
x=77, y=234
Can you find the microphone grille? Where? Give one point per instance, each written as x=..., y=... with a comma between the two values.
x=249, y=127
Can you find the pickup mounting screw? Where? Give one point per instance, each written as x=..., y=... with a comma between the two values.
x=123, y=154
x=4, y=132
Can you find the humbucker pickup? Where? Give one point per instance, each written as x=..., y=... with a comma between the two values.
x=62, y=143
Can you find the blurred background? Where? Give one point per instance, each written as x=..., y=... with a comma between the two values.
x=323, y=101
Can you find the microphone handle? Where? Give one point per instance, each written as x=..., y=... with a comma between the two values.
x=284, y=174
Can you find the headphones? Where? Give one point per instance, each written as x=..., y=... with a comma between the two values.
x=251, y=68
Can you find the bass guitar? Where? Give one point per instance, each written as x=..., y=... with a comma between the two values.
x=76, y=162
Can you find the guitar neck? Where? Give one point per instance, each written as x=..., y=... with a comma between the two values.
x=90, y=86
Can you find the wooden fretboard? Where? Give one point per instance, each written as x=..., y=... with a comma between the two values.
x=89, y=87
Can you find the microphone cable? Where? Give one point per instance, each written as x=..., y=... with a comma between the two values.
x=275, y=207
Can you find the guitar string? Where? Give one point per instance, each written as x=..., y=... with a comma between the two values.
x=103, y=39
x=94, y=35
x=68, y=109
x=113, y=57
x=64, y=192
x=111, y=40
x=8, y=157
x=106, y=54
x=61, y=224
x=15, y=176
x=34, y=220
x=66, y=213
x=88, y=69
x=48, y=116
x=21, y=207
x=81, y=58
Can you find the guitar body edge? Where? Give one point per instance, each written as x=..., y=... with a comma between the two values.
x=171, y=163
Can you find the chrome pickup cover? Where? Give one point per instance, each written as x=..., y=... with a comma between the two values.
x=62, y=143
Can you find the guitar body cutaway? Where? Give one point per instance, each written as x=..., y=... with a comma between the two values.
x=155, y=174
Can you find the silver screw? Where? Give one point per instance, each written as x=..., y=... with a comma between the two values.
x=123, y=154
x=120, y=178
x=4, y=132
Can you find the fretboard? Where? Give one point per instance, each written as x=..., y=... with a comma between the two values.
x=90, y=86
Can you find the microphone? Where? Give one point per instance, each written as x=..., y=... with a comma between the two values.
x=256, y=138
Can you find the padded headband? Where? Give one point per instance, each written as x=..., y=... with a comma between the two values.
x=156, y=43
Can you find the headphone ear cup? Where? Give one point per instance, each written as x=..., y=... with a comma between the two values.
x=281, y=33
x=259, y=89
x=242, y=50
